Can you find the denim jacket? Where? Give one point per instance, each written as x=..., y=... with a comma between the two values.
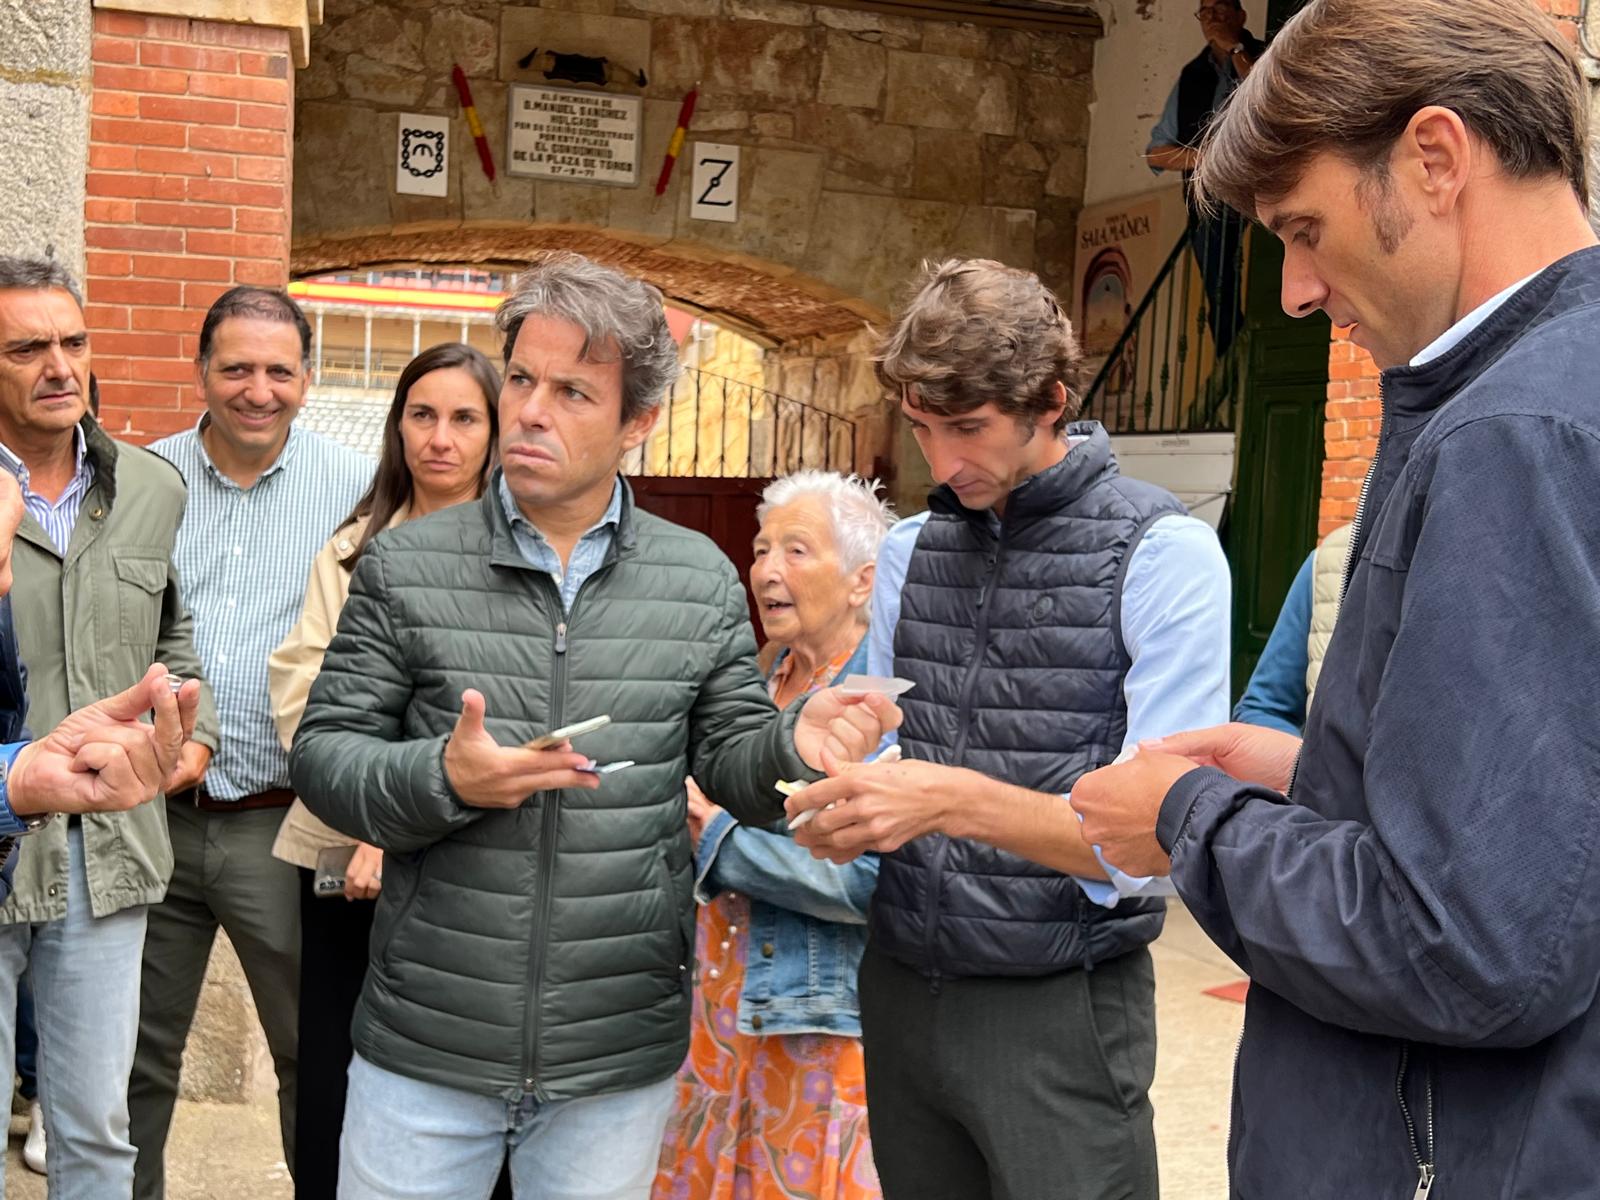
x=807, y=921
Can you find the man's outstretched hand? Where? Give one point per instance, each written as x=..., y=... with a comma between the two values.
x=849, y=727
x=104, y=758
x=486, y=774
x=1250, y=753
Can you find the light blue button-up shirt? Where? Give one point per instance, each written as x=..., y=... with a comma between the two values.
x=587, y=556
x=243, y=556
x=1175, y=623
x=1165, y=130
x=57, y=517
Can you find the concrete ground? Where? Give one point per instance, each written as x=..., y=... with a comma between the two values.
x=232, y=1151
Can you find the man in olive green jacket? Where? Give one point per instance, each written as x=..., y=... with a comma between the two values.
x=530, y=971
x=96, y=602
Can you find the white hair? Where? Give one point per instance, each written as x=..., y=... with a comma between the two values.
x=860, y=517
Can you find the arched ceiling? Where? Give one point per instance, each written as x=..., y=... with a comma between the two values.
x=767, y=302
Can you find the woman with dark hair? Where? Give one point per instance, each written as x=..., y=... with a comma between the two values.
x=438, y=450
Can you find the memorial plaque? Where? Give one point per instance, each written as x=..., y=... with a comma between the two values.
x=573, y=136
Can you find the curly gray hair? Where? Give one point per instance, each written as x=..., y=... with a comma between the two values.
x=617, y=313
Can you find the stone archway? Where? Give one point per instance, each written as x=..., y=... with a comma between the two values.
x=816, y=338
x=768, y=302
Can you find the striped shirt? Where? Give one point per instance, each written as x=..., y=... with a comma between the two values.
x=57, y=517
x=243, y=557
x=587, y=555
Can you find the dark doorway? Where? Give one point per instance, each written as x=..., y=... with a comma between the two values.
x=722, y=509
x=1278, y=480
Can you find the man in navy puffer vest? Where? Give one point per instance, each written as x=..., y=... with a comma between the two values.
x=1053, y=612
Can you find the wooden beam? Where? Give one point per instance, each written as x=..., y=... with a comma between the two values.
x=1080, y=19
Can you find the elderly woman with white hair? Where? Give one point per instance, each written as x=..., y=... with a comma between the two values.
x=772, y=1098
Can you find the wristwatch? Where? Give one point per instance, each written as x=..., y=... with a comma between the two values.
x=29, y=824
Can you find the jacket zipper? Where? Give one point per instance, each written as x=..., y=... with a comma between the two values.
x=963, y=721
x=551, y=818
x=1423, y=1154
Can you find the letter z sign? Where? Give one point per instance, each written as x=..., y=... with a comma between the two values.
x=715, y=183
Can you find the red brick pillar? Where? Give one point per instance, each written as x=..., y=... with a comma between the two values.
x=190, y=152
x=1351, y=431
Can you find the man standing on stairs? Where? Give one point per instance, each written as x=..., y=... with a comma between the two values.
x=1203, y=87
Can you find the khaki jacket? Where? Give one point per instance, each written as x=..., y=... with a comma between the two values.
x=88, y=626
x=292, y=668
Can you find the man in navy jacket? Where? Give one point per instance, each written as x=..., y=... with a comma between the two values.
x=1418, y=902
x=101, y=758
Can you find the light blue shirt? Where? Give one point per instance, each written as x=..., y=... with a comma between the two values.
x=57, y=517
x=1165, y=131
x=243, y=556
x=587, y=556
x=1176, y=620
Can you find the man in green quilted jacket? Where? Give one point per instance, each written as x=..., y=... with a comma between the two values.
x=528, y=991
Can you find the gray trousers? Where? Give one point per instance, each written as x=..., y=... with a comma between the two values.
x=224, y=874
x=1011, y=1088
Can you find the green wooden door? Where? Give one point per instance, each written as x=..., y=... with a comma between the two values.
x=1278, y=476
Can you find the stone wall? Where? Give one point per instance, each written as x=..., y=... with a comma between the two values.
x=44, y=93
x=869, y=141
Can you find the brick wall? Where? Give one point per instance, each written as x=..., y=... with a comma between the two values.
x=1352, y=428
x=187, y=194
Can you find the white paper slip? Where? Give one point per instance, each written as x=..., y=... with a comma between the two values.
x=861, y=685
x=594, y=768
x=891, y=754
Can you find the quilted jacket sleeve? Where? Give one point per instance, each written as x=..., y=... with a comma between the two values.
x=739, y=745
x=351, y=763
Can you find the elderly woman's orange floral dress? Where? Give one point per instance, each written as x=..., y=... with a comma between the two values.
x=762, y=1118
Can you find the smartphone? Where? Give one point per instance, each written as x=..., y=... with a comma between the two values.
x=567, y=732
x=11, y=462
x=332, y=865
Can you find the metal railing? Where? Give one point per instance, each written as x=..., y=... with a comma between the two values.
x=348, y=366
x=716, y=427
x=1164, y=373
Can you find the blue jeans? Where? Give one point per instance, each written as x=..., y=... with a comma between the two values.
x=85, y=973
x=408, y=1140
